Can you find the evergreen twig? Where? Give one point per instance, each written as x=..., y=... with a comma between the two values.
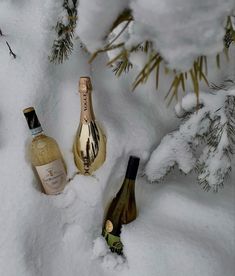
x=220, y=142
x=197, y=73
x=63, y=45
x=211, y=125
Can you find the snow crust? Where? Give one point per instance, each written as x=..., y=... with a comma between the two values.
x=180, y=230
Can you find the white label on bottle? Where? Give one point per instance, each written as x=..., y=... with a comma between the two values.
x=36, y=131
x=52, y=176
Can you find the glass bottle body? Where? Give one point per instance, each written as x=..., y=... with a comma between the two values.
x=47, y=160
x=89, y=146
x=122, y=210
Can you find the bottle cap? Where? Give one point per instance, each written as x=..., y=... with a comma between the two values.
x=132, y=167
x=85, y=84
x=32, y=120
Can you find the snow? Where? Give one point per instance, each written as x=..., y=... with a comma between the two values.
x=108, y=260
x=180, y=34
x=180, y=230
x=93, y=31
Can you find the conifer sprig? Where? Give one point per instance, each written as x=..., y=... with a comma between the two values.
x=212, y=124
x=220, y=141
x=63, y=45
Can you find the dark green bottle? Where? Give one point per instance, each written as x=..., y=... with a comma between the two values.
x=122, y=209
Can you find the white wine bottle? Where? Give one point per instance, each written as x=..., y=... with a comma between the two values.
x=45, y=156
x=122, y=209
x=89, y=146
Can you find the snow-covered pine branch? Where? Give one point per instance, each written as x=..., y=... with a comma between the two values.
x=213, y=124
x=178, y=49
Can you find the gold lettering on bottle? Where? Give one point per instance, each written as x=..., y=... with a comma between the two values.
x=87, y=114
x=85, y=104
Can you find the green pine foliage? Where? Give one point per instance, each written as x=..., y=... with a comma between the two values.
x=63, y=44
x=121, y=64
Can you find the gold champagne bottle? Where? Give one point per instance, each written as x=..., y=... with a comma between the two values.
x=89, y=146
x=45, y=156
x=122, y=209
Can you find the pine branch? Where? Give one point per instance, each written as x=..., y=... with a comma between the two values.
x=197, y=73
x=63, y=45
x=213, y=125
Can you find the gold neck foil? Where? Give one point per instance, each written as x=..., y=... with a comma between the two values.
x=85, y=84
x=85, y=88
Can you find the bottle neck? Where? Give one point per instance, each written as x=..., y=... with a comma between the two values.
x=130, y=183
x=127, y=188
x=87, y=114
x=33, y=122
x=37, y=131
x=131, y=173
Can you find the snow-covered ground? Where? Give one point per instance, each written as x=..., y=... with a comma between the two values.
x=180, y=230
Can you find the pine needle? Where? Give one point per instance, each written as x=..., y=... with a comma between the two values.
x=119, y=34
x=126, y=15
x=195, y=84
x=152, y=63
x=63, y=46
x=112, y=47
x=157, y=75
x=218, y=60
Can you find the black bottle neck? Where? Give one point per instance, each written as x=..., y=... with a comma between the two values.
x=33, y=122
x=132, y=168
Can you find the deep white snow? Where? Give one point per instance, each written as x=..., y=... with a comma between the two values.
x=180, y=230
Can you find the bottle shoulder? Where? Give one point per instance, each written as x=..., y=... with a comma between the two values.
x=44, y=149
x=43, y=140
x=43, y=137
